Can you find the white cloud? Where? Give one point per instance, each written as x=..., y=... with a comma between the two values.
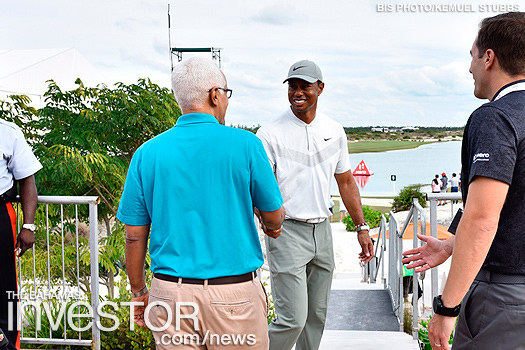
x=280, y=15
x=380, y=68
x=431, y=81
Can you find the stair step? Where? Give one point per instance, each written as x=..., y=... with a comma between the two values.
x=361, y=310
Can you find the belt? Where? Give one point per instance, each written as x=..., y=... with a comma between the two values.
x=217, y=280
x=492, y=277
x=310, y=221
x=9, y=195
x=4, y=198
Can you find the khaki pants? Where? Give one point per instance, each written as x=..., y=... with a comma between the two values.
x=229, y=316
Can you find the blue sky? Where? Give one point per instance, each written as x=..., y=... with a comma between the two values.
x=381, y=68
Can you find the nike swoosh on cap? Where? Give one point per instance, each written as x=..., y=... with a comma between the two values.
x=296, y=68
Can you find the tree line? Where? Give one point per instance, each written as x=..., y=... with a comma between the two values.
x=85, y=137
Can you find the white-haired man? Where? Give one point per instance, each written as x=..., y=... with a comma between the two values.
x=197, y=185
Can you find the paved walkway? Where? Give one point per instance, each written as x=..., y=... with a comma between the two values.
x=360, y=340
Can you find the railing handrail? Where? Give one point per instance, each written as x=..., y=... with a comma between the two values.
x=418, y=217
x=66, y=199
x=443, y=195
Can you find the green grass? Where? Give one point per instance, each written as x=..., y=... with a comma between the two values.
x=381, y=146
x=337, y=214
x=383, y=210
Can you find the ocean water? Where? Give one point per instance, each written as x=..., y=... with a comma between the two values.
x=412, y=166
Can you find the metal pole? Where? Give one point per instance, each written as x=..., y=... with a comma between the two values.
x=93, y=248
x=415, y=276
x=383, y=248
x=169, y=37
x=399, y=283
x=392, y=277
x=63, y=263
x=78, y=264
x=48, y=263
x=433, y=232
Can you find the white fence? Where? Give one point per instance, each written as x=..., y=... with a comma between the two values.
x=36, y=292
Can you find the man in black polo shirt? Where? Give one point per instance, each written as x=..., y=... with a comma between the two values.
x=489, y=248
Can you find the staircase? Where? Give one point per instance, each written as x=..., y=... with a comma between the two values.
x=361, y=310
x=360, y=316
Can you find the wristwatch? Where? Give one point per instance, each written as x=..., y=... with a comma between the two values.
x=362, y=226
x=140, y=292
x=30, y=227
x=441, y=309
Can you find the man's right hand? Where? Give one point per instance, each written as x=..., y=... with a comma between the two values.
x=271, y=233
x=432, y=254
x=273, y=219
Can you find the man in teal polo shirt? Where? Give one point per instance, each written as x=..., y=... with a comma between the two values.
x=196, y=186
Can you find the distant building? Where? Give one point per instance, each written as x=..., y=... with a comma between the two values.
x=381, y=129
x=385, y=129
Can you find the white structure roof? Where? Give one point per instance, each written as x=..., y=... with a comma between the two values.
x=26, y=71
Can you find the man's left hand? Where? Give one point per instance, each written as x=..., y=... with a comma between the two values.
x=367, y=252
x=25, y=240
x=138, y=316
x=439, y=330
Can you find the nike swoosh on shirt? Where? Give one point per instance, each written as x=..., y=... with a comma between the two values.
x=328, y=139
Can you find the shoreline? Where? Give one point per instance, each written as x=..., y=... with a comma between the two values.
x=375, y=146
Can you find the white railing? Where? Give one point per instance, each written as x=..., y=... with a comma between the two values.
x=394, y=250
x=41, y=287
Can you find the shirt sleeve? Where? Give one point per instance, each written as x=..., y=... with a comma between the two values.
x=23, y=162
x=343, y=163
x=265, y=191
x=492, y=145
x=132, y=208
x=261, y=134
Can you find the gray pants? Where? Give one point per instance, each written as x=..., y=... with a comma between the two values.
x=301, y=268
x=492, y=317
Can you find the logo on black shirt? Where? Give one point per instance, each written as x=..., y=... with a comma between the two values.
x=481, y=157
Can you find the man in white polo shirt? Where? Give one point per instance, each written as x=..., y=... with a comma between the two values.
x=17, y=162
x=306, y=150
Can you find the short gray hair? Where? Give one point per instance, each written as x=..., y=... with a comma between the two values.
x=192, y=78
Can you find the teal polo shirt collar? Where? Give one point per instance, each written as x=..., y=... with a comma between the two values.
x=196, y=118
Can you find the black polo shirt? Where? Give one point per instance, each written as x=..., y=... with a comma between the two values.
x=494, y=147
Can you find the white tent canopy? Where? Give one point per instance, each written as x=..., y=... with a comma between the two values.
x=25, y=72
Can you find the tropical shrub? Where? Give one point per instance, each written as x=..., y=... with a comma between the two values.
x=403, y=201
x=372, y=217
